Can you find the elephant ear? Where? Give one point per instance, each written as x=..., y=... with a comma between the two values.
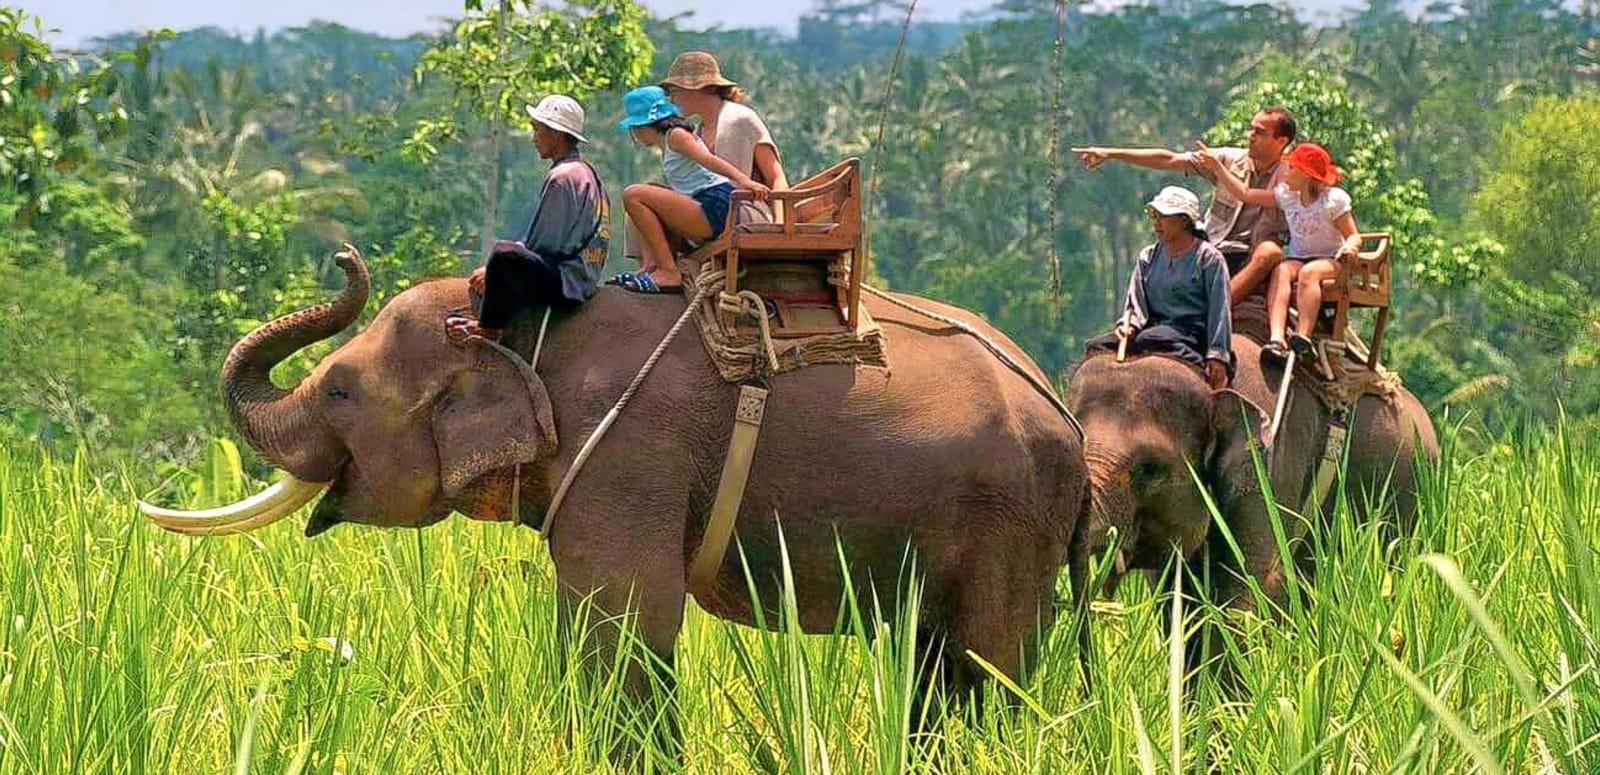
x=491, y=415
x=1237, y=424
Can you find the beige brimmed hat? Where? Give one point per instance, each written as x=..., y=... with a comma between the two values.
x=1176, y=200
x=695, y=70
x=561, y=113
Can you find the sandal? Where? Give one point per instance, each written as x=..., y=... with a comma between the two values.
x=621, y=279
x=1303, y=347
x=459, y=328
x=644, y=283
x=1275, y=352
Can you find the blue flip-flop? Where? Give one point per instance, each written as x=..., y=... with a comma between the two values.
x=644, y=283
x=621, y=279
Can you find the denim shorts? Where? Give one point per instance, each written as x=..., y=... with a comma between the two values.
x=713, y=201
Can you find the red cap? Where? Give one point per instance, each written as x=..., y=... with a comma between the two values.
x=1313, y=160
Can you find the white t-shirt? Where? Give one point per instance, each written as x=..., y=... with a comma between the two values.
x=1311, y=230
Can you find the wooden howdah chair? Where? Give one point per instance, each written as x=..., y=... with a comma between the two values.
x=1363, y=283
x=798, y=260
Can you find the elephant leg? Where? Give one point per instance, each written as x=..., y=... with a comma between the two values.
x=997, y=613
x=627, y=590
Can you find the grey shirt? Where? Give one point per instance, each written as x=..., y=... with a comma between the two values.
x=570, y=202
x=1233, y=225
x=1188, y=292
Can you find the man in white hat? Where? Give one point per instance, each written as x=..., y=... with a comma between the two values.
x=1251, y=238
x=1178, y=302
x=558, y=261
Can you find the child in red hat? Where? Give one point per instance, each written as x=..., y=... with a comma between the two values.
x=1322, y=232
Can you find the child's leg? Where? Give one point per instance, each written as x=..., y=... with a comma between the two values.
x=1278, y=291
x=666, y=210
x=1310, y=294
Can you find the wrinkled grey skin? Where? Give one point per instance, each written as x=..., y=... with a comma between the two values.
x=1150, y=419
x=947, y=453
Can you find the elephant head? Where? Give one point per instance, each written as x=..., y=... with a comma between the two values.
x=396, y=427
x=1148, y=423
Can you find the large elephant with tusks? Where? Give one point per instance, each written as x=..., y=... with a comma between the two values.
x=947, y=456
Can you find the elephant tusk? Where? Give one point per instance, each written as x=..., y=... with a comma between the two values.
x=1122, y=561
x=259, y=510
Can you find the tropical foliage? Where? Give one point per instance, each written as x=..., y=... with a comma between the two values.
x=209, y=176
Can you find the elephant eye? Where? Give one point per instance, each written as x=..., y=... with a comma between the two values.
x=1145, y=471
x=335, y=392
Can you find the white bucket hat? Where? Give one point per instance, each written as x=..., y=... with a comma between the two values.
x=1176, y=200
x=561, y=113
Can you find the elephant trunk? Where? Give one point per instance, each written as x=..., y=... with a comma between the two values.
x=279, y=423
x=1111, y=504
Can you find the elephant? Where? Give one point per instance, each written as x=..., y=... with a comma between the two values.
x=946, y=456
x=1151, y=419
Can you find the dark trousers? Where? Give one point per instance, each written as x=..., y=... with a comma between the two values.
x=514, y=280
x=1160, y=339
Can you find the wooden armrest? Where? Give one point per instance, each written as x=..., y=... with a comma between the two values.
x=1380, y=250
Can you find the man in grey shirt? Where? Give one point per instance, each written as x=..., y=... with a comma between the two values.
x=1178, y=302
x=1250, y=238
x=558, y=262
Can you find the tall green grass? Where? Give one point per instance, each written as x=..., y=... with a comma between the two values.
x=1472, y=647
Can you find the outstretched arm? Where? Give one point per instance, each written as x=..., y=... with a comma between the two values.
x=1233, y=184
x=682, y=141
x=1152, y=158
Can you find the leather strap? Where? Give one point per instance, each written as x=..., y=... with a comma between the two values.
x=747, y=419
x=1328, y=463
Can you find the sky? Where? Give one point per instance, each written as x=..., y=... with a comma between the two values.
x=80, y=20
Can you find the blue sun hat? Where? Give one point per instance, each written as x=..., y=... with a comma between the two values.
x=646, y=105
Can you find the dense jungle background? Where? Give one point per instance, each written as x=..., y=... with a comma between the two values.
x=163, y=193
x=166, y=192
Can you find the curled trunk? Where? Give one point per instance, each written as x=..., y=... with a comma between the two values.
x=278, y=423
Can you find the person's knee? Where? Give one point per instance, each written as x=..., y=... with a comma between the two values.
x=1267, y=253
x=635, y=193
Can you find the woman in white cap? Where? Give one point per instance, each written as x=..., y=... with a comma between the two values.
x=1178, y=300
x=559, y=260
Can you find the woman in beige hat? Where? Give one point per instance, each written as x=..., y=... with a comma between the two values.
x=728, y=127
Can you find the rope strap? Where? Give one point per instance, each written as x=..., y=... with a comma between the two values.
x=747, y=418
x=616, y=411
x=1045, y=390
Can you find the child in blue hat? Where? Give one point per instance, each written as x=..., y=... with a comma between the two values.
x=694, y=203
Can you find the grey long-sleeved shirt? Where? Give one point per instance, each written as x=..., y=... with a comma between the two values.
x=1188, y=292
x=569, y=203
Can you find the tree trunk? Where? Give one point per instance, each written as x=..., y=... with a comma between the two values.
x=491, y=187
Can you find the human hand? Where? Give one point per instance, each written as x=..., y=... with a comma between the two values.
x=1348, y=252
x=1124, y=330
x=475, y=281
x=1216, y=374
x=1091, y=156
x=1205, y=157
x=759, y=191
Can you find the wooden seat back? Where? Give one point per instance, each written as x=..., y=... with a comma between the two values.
x=815, y=231
x=1363, y=282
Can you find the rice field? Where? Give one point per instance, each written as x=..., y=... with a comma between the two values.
x=1472, y=647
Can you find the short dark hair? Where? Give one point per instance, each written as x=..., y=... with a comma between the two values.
x=1284, y=120
x=666, y=124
